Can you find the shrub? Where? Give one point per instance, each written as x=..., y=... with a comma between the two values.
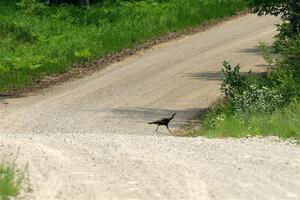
x=288, y=10
x=257, y=99
x=285, y=76
x=233, y=82
x=244, y=95
x=256, y=105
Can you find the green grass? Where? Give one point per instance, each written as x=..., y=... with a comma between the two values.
x=283, y=123
x=36, y=40
x=11, y=181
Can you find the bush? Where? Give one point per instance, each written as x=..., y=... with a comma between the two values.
x=245, y=95
x=255, y=99
x=233, y=82
x=285, y=76
x=256, y=105
x=288, y=10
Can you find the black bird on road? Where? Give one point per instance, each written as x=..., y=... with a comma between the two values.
x=163, y=122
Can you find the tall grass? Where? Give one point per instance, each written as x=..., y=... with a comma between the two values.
x=283, y=123
x=36, y=40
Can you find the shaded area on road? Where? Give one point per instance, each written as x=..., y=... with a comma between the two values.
x=144, y=115
x=254, y=50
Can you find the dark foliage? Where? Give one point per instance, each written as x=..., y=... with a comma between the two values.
x=233, y=81
x=288, y=10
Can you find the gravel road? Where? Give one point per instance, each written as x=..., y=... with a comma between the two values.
x=89, y=138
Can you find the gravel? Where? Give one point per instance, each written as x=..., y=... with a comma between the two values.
x=89, y=138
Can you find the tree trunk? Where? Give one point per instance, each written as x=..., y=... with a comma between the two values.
x=294, y=17
x=77, y=2
x=54, y=2
x=83, y=2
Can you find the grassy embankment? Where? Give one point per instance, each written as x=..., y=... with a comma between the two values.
x=283, y=123
x=37, y=41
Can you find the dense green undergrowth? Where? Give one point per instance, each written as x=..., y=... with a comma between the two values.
x=37, y=40
x=265, y=104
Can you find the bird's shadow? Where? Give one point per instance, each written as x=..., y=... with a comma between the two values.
x=145, y=115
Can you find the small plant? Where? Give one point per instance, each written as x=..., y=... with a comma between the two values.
x=11, y=180
x=233, y=82
x=268, y=53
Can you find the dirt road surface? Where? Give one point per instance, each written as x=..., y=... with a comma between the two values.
x=89, y=139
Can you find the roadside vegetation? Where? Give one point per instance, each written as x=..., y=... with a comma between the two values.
x=266, y=104
x=38, y=40
x=11, y=181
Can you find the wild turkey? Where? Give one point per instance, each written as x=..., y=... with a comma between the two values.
x=164, y=122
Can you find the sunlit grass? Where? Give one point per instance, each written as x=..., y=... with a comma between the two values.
x=48, y=40
x=283, y=123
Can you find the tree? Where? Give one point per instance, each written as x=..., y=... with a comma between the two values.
x=288, y=10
